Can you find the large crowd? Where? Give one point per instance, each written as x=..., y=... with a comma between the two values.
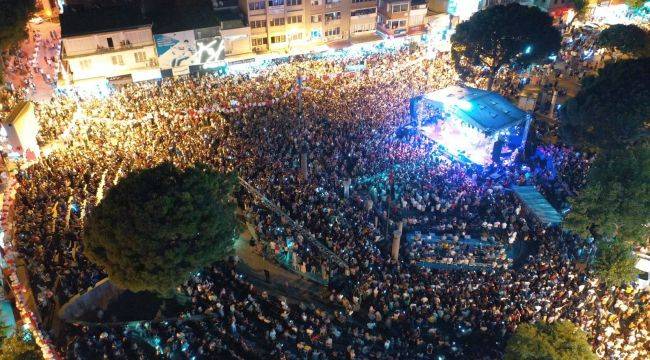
x=332, y=162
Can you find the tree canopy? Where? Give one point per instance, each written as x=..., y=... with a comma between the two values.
x=611, y=110
x=615, y=203
x=16, y=348
x=556, y=341
x=159, y=225
x=629, y=39
x=615, y=262
x=14, y=15
x=499, y=35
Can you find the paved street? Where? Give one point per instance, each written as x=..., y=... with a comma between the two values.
x=43, y=90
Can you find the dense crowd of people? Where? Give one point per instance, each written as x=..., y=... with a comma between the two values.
x=327, y=153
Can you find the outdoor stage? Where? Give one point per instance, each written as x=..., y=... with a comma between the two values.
x=471, y=125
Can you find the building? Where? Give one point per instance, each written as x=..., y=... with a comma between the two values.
x=402, y=17
x=299, y=25
x=19, y=129
x=193, y=35
x=106, y=43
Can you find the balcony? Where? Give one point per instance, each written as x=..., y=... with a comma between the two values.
x=123, y=46
x=275, y=10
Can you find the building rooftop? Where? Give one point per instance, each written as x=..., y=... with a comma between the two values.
x=230, y=18
x=196, y=15
x=77, y=21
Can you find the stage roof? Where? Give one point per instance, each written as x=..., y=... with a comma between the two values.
x=485, y=110
x=538, y=204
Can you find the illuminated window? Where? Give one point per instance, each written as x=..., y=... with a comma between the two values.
x=295, y=37
x=257, y=5
x=316, y=18
x=140, y=56
x=400, y=8
x=297, y=19
x=117, y=60
x=278, y=39
x=333, y=32
x=259, y=41
x=336, y=15
x=277, y=22
x=258, y=24
x=85, y=64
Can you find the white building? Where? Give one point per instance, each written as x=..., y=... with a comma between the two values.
x=107, y=43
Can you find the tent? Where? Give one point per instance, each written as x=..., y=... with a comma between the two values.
x=538, y=204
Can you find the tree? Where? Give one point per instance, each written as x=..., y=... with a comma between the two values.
x=629, y=39
x=502, y=35
x=611, y=110
x=159, y=225
x=560, y=340
x=580, y=7
x=615, y=203
x=615, y=262
x=16, y=348
x=14, y=15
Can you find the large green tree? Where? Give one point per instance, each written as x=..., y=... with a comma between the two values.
x=612, y=109
x=615, y=260
x=157, y=226
x=502, y=35
x=560, y=340
x=14, y=15
x=615, y=203
x=629, y=39
x=17, y=348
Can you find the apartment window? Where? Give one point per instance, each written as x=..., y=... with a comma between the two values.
x=316, y=18
x=278, y=39
x=276, y=2
x=332, y=1
x=256, y=5
x=110, y=42
x=258, y=24
x=140, y=56
x=85, y=64
x=316, y=2
x=366, y=11
x=259, y=41
x=394, y=24
x=295, y=37
x=359, y=1
x=297, y=19
x=333, y=32
x=294, y=2
x=277, y=22
x=117, y=60
x=400, y=8
x=357, y=28
x=336, y=15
